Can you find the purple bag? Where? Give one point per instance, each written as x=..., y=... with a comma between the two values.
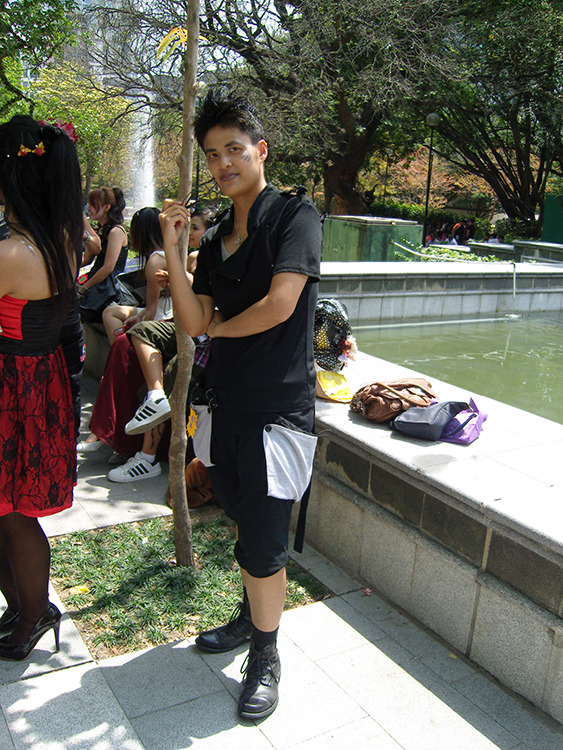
x=466, y=426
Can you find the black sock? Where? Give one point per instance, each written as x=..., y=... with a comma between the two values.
x=261, y=638
x=246, y=603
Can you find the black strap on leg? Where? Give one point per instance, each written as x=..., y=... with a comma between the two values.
x=300, y=530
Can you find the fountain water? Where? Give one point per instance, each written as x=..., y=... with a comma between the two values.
x=142, y=167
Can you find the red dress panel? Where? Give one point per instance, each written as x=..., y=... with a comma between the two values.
x=37, y=440
x=118, y=400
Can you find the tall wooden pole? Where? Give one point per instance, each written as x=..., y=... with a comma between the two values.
x=178, y=440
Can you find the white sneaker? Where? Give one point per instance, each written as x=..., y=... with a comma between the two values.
x=149, y=414
x=135, y=469
x=84, y=447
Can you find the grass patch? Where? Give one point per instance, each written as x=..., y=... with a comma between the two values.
x=123, y=590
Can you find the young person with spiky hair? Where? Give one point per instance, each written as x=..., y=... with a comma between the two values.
x=254, y=293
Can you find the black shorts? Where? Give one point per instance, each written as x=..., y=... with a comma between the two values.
x=256, y=483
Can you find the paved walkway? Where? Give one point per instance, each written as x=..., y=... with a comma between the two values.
x=356, y=674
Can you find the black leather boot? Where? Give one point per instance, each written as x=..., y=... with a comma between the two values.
x=262, y=672
x=229, y=636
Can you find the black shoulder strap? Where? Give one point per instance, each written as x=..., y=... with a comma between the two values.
x=300, y=191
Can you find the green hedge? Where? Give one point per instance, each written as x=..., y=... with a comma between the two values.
x=415, y=212
x=512, y=229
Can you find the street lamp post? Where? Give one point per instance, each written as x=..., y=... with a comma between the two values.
x=432, y=120
x=389, y=151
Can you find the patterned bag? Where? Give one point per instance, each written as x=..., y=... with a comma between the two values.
x=332, y=334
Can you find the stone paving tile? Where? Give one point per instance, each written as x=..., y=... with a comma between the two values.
x=445, y=663
x=410, y=636
x=5, y=737
x=73, y=519
x=385, y=690
x=71, y=708
x=310, y=703
x=362, y=625
x=332, y=577
x=304, y=625
x=227, y=667
x=504, y=735
x=533, y=727
x=208, y=723
x=365, y=733
x=44, y=658
x=369, y=604
x=179, y=674
x=389, y=622
x=117, y=510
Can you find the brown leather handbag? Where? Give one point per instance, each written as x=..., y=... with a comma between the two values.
x=198, y=486
x=381, y=402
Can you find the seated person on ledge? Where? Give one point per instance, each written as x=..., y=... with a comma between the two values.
x=134, y=431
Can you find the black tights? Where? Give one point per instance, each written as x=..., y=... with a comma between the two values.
x=25, y=558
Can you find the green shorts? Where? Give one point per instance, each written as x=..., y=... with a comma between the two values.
x=160, y=334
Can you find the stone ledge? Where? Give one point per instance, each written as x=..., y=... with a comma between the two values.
x=451, y=533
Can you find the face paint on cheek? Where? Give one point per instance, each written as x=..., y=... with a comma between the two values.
x=246, y=157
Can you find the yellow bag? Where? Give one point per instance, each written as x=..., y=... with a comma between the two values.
x=332, y=386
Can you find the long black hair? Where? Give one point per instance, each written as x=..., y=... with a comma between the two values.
x=145, y=231
x=103, y=196
x=41, y=185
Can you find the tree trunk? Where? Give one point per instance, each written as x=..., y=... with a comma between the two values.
x=178, y=440
x=340, y=180
x=341, y=177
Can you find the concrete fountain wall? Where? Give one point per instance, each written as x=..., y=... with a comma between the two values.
x=374, y=292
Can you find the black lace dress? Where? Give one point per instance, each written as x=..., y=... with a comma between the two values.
x=37, y=439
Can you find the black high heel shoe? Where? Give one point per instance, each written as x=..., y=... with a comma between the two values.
x=51, y=618
x=8, y=621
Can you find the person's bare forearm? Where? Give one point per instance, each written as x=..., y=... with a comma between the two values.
x=188, y=309
x=275, y=308
x=259, y=317
x=193, y=313
x=100, y=275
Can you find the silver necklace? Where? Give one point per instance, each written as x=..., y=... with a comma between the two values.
x=24, y=241
x=238, y=241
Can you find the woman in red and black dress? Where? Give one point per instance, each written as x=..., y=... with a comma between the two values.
x=40, y=187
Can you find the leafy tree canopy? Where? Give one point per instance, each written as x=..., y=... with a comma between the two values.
x=327, y=73
x=339, y=80
x=62, y=92
x=501, y=113
x=31, y=33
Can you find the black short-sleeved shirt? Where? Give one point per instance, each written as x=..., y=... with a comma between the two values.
x=272, y=370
